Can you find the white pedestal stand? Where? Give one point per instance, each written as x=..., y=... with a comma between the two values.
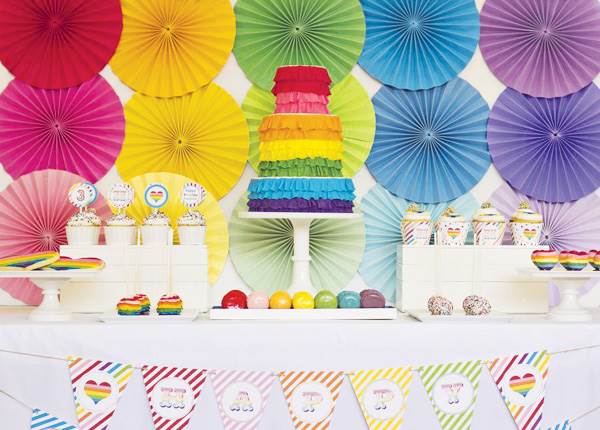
x=569, y=284
x=301, y=223
x=50, y=282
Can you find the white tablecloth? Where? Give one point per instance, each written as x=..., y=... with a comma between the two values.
x=573, y=387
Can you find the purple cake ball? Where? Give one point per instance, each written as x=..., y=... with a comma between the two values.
x=371, y=299
x=439, y=305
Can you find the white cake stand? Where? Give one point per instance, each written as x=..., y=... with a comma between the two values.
x=50, y=281
x=569, y=284
x=301, y=223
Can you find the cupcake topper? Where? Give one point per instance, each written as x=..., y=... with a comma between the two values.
x=156, y=196
x=192, y=195
x=413, y=207
x=121, y=196
x=449, y=211
x=486, y=205
x=524, y=205
x=83, y=194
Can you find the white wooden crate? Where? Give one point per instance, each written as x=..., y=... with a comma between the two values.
x=139, y=269
x=456, y=272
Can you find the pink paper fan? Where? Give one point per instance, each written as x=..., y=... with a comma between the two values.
x=34, y=211
x=78, y=129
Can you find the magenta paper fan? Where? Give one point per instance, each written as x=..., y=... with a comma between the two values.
x=548, y=149
x=544, y=48
x=34, y=211
x=78, y=129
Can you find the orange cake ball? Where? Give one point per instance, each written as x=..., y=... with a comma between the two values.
x=280, y=300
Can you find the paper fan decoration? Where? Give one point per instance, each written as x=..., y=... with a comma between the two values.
x=34, y=211
x=273, y=33
x=170, y=48
x=58, y=43
x=217, y=236
x=202, y=135
x=430, y=145
x=78, y=129
x=262, y=251
x=544, y=48
x=383, y=213
x=416, y=45
x=548, y=149
x=348, y=100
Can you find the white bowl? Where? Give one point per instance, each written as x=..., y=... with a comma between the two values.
x=155, y=234
x=120, y=235
x=83, y=235
x=191, y=234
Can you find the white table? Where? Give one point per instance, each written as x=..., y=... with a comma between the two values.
x=573, y=386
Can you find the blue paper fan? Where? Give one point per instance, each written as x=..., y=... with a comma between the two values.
x=382, y=213
x=416, y=44
x=430, y=145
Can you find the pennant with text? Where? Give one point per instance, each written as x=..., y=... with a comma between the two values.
x=172, y=394
x=41, y=420
x=311, y=397
x=521, y=380
x=566, y=425
x=97, y=387
x=382, y=394
x=452, y=390
x=242, y=397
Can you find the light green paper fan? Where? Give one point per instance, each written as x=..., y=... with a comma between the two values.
x=348, y=100
x=262, y=250
x=273, y=33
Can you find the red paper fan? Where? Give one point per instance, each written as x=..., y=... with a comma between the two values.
x=34, y=211
x=58, y=43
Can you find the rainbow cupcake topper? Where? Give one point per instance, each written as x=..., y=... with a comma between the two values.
x=156, y=195
x=121, y=196
x=192, y=194
x=83, y=194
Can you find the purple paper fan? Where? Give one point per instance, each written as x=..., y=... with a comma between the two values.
x=545, y=48
x=548, y=149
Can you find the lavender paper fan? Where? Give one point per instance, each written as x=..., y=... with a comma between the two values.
x=545, y=48
x=548, y=149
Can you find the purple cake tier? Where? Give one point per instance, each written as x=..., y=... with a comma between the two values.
x=301, y=205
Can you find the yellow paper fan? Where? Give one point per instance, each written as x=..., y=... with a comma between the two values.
x=202, y=135
x=217, y=235
x=170, y=48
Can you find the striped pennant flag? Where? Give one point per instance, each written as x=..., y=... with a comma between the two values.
x=41, y=420
x=452, y=390
x=172, y=394
x=311, y=397
x=521, y=380
x=242, y=397
x=382, y=394
x=561, y=426
x=97, y=387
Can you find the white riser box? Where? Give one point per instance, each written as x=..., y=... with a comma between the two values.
x=139, y=269
x=456, y=272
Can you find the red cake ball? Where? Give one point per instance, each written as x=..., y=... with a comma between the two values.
x=235, y=299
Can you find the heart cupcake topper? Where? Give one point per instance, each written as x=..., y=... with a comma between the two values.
x=156, y=195
x=522, y=384
x=97, y=391
x=121, y=196
x=83, y=194
x=192, y=195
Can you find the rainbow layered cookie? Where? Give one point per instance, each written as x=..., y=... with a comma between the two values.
x=66, y=263
x=301, y=147
x=129, y=306
x=544, y=260
x=28, y=261
x=169, y=305
x=574, y=260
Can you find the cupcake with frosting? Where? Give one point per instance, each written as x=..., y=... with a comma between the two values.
x=155, y=229
x=120, y=230
x=526, y=226
x=416, y=226
x=451, y=229
x=191, y=227
x=83, y=228
x=488, y=226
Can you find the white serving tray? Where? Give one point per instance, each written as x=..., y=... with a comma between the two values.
x=460, y=317
x=187, y=315
x=304, y=314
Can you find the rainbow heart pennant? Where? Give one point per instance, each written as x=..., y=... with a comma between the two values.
x=97, y=391
x=522, y=384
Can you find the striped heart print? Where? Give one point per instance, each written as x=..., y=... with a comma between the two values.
x=242, y=397
x=168, y=390
x=521, y=380
x=452, y=390
x=41, y=420
x=311, y=397
x=109, y=381
x=382, y=395
x=562, y=426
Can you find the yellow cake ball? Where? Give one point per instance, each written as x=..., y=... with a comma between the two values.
x=303, y=300
x=280, y=300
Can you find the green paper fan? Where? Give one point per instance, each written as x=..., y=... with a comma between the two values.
x=348, y=100
x=274, y=33
x=262, y=250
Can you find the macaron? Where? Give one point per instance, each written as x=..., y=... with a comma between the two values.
x=234, y=299
x=280, y=300
x=595, y=259
x=574, y=260
x=258, y=300
x=303, y=300
x=348, y=300
x=371, y=299
x=544, y=259
x=325, y=300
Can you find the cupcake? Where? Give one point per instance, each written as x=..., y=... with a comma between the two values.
x=120, y=230
x=526, y=226
x=488, y=226
x=169, y=305
x=129, y=306
x=595, y=259
x=155, y=230
x=574, y=260
x=83, y=228
x=191, y=227
x=416, y=226
x=451, y=229
x=544, y=260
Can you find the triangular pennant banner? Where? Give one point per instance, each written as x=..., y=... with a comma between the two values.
x=382, y=394
x=172, y=394
x=242, y=397
x=97, y=387
x=566, y=425
x=521, y=380
x=452, y=390
x=311, y=397
x=41, y=420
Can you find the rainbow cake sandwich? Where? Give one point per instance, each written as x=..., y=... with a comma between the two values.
x=169, y=305
x=129, y=306
x=28, y=261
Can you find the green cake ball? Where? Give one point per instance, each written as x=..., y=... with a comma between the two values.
x=348, y=299
x=325, y=300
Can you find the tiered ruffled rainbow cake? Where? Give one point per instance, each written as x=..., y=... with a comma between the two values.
x=301, y=148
